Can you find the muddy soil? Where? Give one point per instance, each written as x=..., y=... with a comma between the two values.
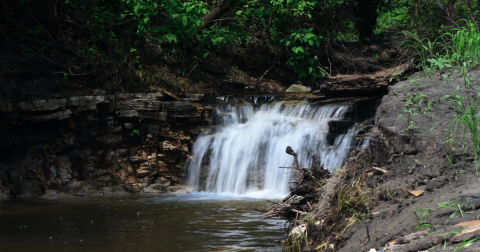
x=407, y=156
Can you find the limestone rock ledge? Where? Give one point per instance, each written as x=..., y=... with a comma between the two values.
x=96, y=145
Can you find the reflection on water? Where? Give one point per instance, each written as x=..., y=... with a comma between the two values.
x=196, y=222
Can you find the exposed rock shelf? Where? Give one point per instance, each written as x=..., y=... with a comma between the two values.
x=96, y=145
x=361, y=85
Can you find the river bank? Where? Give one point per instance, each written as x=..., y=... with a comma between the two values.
x=408, y=180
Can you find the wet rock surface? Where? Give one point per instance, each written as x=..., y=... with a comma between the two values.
x=96, y=145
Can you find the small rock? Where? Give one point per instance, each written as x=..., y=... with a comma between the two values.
x=391, y=243
x=308, y=249
x=298, y=230
x=49, y=194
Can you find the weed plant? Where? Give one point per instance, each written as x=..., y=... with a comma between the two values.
x=353, y=199
x=465, y=48
x=457, y=51
x=296, y=242
x=466, y=119
x=413, y=107
x=422, y=214
x=465, y=243
x=460, y=48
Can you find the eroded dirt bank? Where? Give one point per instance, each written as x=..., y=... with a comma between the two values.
x=407, y=180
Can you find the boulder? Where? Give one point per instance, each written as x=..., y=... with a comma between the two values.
x=154, y=188
x=181, y=191
x=49, y=195
x=295, y=88
x=177, y=189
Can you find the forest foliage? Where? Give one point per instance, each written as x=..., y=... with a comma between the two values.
x=104, y=37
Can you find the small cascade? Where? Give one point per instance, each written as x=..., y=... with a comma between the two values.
x=243, y=156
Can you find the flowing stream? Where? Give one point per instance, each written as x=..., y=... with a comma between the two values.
x=196, y=222
x=242, y=157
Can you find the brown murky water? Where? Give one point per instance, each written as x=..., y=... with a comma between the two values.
x=198, y=222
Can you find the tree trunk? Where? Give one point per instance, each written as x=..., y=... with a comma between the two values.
x=219, y=11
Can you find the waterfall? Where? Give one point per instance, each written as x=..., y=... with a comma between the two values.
x=243, y=156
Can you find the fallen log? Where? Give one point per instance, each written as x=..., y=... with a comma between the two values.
x=361, y=85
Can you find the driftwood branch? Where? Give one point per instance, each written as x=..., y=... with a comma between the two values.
x=380, y=170
x=302, y=196
x=169, y=94
x=273, y=202
x=290, y=151
x=298, y=211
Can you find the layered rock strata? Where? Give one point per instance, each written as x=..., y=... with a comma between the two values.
x=96, y=145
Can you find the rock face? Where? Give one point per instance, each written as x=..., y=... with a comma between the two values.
x=96, y=145
x=295, y=88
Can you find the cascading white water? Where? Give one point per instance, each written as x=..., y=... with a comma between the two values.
x=245, y=154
